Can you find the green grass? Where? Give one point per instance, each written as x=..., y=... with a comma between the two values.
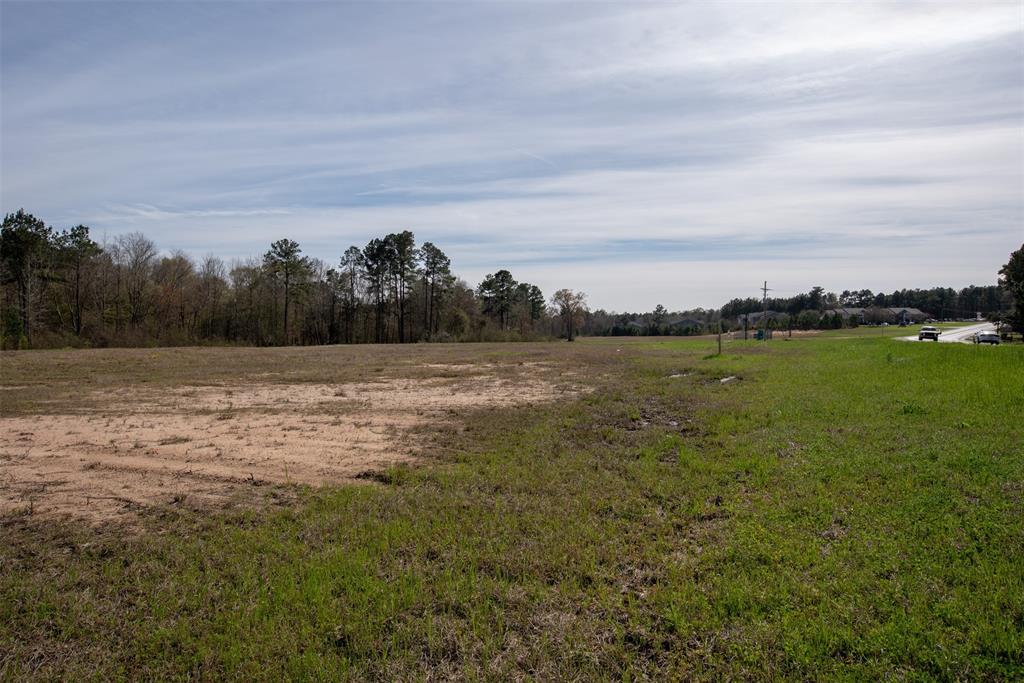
x=846, y=508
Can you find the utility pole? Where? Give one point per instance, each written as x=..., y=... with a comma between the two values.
x=719, y=336
x=764, y=311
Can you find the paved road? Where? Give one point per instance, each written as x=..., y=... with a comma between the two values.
x=963, y=335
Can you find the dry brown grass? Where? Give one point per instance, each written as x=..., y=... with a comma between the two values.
x=100, y=434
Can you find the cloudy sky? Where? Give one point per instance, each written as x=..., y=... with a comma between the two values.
x=675, y=153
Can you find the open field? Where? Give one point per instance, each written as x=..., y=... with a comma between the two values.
x=111, y=431
x=847, y=507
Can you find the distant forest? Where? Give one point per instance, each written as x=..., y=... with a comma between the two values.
x=812, y=310
x=65, y=289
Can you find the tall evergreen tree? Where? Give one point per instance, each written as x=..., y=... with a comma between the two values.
x=376, y=261
x=1011, y=278
x=76, y=249
x=404, y=256
x=285, y=263
x=26, y=245
x=437, y=276
x=498, y=293
x=351, y=269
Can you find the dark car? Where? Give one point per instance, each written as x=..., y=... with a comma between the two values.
x=928, y=332
x=986, y=337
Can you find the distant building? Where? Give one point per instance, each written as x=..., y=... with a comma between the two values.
x=846, y=313
x=908, y=315
x=754, y=319
x=685, y=325
x=877, y=315
x=673, y=326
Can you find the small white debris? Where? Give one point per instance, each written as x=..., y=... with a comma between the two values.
x=730, y=378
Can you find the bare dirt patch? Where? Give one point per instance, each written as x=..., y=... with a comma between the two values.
x=133, y=446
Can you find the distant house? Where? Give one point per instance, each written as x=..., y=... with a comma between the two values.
x=685, y=325
x=877, y=315
x=847, y=313
x=754, y=319
x=907, y=315
x=636, y=327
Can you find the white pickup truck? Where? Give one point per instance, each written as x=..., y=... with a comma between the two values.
x=928, y=332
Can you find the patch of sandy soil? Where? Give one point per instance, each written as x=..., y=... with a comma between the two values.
x=198, y=445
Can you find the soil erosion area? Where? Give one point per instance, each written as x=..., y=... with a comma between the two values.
x=197, y=445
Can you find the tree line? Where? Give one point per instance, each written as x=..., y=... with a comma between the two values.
x=940, y=302
x=63, y=288
x=816, y=308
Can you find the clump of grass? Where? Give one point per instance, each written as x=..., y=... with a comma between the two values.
x=911, y=408
x=172, y=440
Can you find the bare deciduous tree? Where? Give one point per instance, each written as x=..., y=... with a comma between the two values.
x=571, y=306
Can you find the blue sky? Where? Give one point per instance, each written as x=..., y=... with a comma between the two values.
x=675, y=153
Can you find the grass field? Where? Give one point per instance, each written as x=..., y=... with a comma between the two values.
x=846, y=508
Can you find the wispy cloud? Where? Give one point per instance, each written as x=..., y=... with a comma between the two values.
x=645, y=153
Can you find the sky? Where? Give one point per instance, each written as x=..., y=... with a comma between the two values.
x=675, y=153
